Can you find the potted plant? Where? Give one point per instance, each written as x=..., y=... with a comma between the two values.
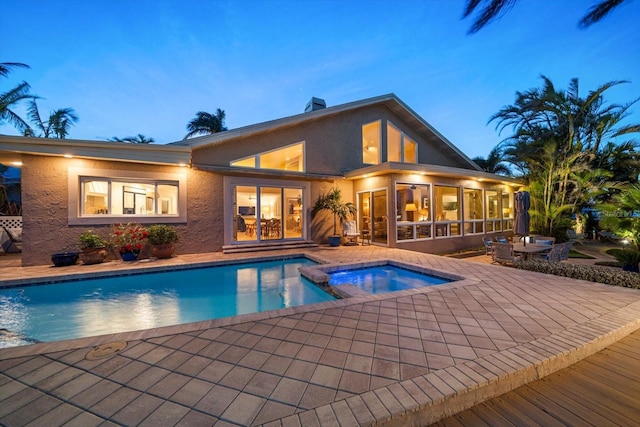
x=332, y=202
x=162, y=237
x=92, y=248
x=128, y=239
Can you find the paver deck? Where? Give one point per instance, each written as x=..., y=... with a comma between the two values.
x=408, y=357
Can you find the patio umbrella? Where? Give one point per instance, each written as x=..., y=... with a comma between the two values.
x=521, y=220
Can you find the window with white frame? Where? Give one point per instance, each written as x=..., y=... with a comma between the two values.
x=289, y=158
x=446, y=201
x=507, y=211
x=400, y=148
x=413, y=211
x=493, y=217
x=371, y=147
x=106, y=196
x=110, y=196
x=472, y=203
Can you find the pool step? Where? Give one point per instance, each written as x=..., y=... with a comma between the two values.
x=235, y=249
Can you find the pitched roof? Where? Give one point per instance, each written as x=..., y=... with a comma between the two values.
x=391, y=101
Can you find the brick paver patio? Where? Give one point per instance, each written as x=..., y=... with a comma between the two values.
x=408, y=357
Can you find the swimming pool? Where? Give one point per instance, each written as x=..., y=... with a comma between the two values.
x=384, y=278
x=92, y=307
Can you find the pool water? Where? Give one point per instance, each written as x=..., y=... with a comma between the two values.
x=386, y=278
x=127, y=303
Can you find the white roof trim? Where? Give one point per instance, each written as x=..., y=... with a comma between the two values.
x=430, y=170
x=101, y=150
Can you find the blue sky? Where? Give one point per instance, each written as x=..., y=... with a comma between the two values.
x=147, y=66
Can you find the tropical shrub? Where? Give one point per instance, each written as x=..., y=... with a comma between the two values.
x=590, y=273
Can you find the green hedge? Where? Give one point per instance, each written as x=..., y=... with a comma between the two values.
x=584, y=272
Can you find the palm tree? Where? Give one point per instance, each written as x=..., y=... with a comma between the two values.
x=493, y=163
x=12, y=97
x=56, y=127
x=138, y=139
x=206, y=123
x=494, y=8
x=563, y=144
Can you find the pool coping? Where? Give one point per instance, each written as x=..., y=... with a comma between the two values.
x=344, y=300
x=320, y=275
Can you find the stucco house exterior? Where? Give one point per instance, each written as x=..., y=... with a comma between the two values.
x=253, y=187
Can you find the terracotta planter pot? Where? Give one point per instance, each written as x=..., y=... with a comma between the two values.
x=93, y=255
x=163, y=251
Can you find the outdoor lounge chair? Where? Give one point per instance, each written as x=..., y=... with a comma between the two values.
x=350, y=232
x=608, y=236
x=14, y=243
x=503, y=254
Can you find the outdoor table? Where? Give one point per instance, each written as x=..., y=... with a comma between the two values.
x=531, y=248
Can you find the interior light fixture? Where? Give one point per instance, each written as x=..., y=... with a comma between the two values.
x=16, y=163
x=413, y=187
x=68, y=156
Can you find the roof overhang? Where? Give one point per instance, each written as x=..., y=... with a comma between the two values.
x=430, y=170
x=267, y=173
x=13, y=147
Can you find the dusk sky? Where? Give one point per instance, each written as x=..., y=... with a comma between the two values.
x=147, y=66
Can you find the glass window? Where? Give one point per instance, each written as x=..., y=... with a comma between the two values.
x=410, y=150
x=261, y=213
x=413, y=205
x=473, y=211
x=447, y=210
x=289, y=158
x=394, y=144
x=507, y=211
x=249, y=162
x=493, y=211
x=400, y=148
x=371, y=143
x=106, y=196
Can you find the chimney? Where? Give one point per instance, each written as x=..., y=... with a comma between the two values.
x=315, y=104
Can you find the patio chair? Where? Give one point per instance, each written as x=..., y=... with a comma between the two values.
x=564, y=255
x=501, y=239
x=554, y=255
x=487, y=245
x=15, y=242
x=503, y=254
x=350, y=232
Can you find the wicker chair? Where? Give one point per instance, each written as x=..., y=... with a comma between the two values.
x=503, y=254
